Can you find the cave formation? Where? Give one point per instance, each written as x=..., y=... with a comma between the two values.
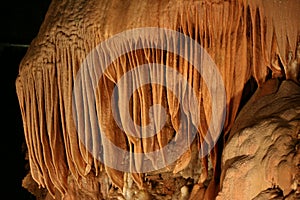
x=256, y=48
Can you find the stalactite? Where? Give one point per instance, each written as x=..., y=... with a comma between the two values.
x=243, y=38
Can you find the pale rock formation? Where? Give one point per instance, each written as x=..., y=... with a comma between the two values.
x=263, y=151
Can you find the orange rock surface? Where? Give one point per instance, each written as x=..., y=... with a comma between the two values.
x=249, y=41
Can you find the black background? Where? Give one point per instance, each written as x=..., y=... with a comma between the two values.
x=20, y=23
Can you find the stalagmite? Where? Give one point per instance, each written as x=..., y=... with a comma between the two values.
x=249, y=42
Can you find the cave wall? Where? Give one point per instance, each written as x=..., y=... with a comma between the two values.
x=245, y=39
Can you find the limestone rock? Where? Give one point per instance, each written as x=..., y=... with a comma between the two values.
x=263, y=148
x=247, y=40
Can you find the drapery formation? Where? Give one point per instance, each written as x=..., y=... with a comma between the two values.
x=244, y=38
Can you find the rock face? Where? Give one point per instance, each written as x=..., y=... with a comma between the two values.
x=248, y=42
x=263, y=150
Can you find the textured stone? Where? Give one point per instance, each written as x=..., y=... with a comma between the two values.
x=263, y=150
x=248, y=40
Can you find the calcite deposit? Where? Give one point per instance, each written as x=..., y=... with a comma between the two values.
x=250, y=42
x=262, y=158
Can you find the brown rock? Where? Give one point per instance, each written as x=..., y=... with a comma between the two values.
x=244, y=38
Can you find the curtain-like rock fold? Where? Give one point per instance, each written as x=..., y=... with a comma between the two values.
x=244, y=38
